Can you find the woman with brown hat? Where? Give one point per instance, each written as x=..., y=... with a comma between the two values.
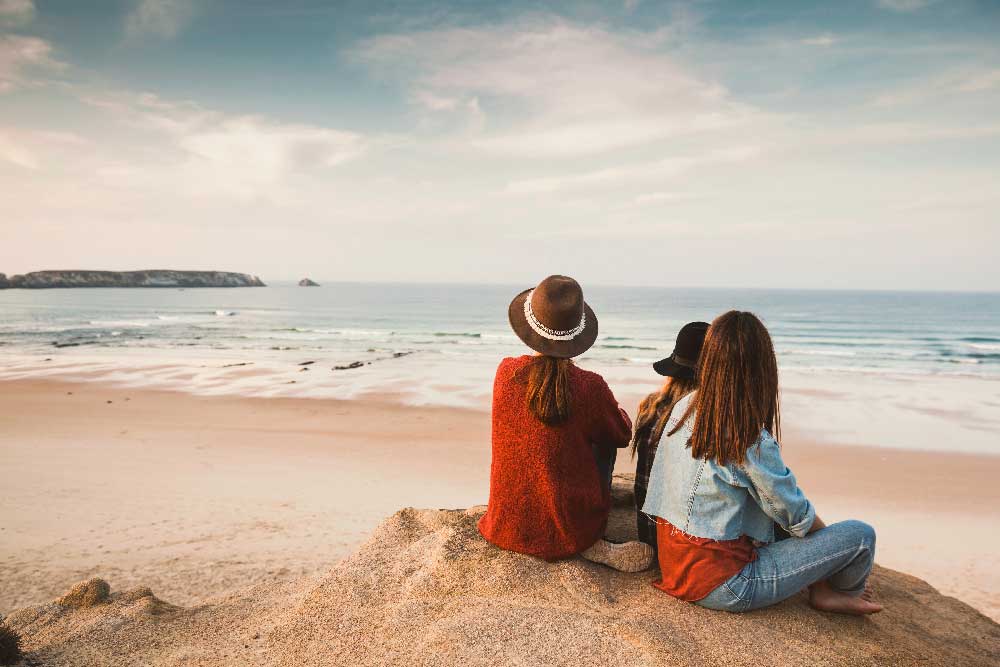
x=655, y=410
x=556, y=430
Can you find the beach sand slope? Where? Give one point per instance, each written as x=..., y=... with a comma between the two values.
x=426, y=589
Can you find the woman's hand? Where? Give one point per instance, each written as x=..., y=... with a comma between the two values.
x=817, y=525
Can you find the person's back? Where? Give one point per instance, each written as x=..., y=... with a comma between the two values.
x=718, y=486
x=702, y=497
x=548, y=498
x=556, y=429
x=657, y=408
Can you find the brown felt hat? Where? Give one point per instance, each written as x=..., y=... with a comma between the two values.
x=553, y=318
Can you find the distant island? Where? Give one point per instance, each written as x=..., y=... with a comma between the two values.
x=151, y=278
x=307, y=282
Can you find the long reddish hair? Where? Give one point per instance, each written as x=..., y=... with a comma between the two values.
x=737, y=389
x=548, y=392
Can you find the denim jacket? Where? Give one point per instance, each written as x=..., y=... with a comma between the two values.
x=723, y=502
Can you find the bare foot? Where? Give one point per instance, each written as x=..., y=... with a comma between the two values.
x=824, y=598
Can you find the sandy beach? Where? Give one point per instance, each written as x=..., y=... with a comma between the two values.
x=196, y=496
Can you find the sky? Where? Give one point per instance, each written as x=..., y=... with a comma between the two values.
x=850, y=144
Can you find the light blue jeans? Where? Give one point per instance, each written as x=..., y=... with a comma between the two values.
x=842, y=554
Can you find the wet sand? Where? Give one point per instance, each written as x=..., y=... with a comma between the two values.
x=197, y=496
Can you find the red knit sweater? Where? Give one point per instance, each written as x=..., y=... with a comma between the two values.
x=546, y=496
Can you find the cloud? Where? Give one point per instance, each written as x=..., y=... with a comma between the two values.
x=20, y=55
x=940, y=87
x=825, y=39
x=903, y=5
x=631, y=173
x=980, y=81
x=550, y=88
x=32, y=149
x=243, y=155
x=16, y=13
x=158, y=18
x=654, y=198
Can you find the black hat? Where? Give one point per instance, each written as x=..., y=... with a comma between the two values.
x=682, y=362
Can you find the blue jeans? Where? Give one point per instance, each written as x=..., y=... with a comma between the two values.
x=842, y=554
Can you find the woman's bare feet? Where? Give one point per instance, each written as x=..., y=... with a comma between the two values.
x=824, y=598
x=627, y=557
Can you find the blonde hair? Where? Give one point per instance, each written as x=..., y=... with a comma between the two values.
x=655, y=409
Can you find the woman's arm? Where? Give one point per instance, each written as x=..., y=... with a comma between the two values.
x=774, y=488
x=611, y=424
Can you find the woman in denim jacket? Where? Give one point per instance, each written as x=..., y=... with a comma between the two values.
x=718, y=487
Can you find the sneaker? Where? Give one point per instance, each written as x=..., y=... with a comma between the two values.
x=625, y=557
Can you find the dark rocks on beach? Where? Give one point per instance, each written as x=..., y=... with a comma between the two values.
x=306, y=282
x=76, y=343
x=359, y=364
x=147, y=278
x=307, y=363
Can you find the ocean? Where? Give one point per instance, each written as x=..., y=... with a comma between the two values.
x=916, y=355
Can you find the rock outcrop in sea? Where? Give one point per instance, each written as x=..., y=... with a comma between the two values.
x=307, y=282
x=150, y=278
x=426, y=589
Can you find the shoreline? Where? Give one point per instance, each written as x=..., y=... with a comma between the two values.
x=945, y=413
x=211, y=494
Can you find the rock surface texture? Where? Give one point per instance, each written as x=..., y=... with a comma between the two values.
x=426, y=589
x=152, y=278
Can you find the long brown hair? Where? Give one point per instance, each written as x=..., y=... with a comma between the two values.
x=737, y=389
x=548, y=392
x=662, y=404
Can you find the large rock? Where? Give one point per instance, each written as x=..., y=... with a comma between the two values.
x=151, y=278
x=306, y=282
x=4, y=283
x=426, y=589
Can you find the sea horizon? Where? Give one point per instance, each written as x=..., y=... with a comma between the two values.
x=322, y=282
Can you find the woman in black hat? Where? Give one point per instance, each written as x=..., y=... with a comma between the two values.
x=655, y=409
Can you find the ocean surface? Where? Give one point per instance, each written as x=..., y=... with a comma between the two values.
x=929, y=353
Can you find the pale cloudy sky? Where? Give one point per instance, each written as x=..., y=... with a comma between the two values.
x=852, y=144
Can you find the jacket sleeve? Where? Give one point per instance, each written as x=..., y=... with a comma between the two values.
x=611, y=424
x=774, y=488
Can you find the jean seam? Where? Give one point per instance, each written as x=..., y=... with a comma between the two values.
x=813, y=564
x=743, y=604
x=693, y=492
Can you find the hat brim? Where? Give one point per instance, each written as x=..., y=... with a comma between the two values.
x=671, y=368
x=562, y=349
